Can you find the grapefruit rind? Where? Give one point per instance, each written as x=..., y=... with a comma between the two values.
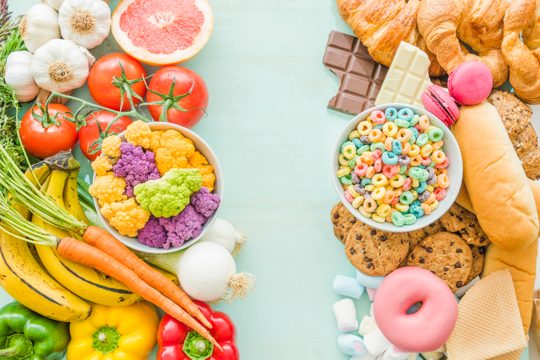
x=154, y=59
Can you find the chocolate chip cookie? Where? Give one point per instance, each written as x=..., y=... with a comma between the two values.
x=342, y=220
x=478, y=254
x=418, y=235
x=445, y=255
x=464, y=223
x=375, y=252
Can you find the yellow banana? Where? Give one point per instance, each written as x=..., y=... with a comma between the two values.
x=86, y=282
x=71, y=197
x=24, y=279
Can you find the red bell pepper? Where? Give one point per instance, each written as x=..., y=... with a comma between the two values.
x=178, y=342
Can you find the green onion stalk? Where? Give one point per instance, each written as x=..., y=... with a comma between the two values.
x=16, y=225
x=14, y=182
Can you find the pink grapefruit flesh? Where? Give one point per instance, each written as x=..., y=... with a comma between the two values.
x=162, y=32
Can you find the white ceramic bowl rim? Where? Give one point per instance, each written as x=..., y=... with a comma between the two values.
x=200, y=145
x=455, y=171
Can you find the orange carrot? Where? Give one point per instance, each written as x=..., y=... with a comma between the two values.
x=107, y=243
x=85, y=254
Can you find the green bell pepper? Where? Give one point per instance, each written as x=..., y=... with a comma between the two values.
x=25, y=335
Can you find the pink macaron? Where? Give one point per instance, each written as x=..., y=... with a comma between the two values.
x=438, y=102
x=470, y=83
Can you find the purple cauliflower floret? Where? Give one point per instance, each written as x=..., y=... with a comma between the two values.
x=182, y=227
x=136, y=166
x=204, y=202
x=153, y=234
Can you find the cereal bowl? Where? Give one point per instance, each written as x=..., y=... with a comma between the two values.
x=454, y=171
x=205, y=149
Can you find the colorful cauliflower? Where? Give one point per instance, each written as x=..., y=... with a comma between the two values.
x=172, y=150
x=136, y=166
x=138, y=133
x=153, y=234
x=126, y=216
x=110, y=146
x=108, y=189
x=163, y=212
x=205, y=203
x=102, y=165
x=168, y=196
x=197, y=160
x=174, y=231
x=182, y=227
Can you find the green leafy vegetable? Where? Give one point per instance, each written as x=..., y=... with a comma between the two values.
x=10, y=41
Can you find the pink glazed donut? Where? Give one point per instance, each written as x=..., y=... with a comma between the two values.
x=430, y=326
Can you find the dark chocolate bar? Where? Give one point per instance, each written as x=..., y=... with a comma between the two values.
x=360, y=77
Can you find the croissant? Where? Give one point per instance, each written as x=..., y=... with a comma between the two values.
x=477, y=23
x=382, y=24
x=523, y=57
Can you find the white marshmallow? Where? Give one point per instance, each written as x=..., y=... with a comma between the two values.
x=345, y=313
x=394, y=354
x=367, y=325
x=376, y=343
x=351, y=345
x=347, y=286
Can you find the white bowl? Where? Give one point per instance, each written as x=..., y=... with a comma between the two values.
x=203, y=148
x=455, y=171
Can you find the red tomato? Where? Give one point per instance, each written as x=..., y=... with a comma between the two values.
x=193, y=104
x=106, y=71
x=43, y=142
x=90, y=136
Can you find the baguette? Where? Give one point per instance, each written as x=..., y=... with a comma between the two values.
x=498, y=187
x=521, y=263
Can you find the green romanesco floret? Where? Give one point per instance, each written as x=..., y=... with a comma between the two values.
x=168, y=196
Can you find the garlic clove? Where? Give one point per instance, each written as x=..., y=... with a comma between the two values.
x=60, y=65
x=19, y=77
x=85, y=22
x=38, y=26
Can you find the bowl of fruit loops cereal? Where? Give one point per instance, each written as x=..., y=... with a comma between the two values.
x=397, y=167
x=157, y=186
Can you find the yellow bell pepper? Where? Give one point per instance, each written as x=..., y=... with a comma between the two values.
x=114, y=333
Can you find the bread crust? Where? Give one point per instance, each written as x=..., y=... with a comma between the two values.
x=498, y=187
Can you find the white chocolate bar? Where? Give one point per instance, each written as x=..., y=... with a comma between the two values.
x=407, y=77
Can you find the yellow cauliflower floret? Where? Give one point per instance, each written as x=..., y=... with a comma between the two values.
x=167, y=159
x=126, y=216
x=208, y=176
x=102, y=165
x=111, y=146
x=197, y=160
x=138, y=133
x=108, y=189
x=172, y=150
x=155, y=140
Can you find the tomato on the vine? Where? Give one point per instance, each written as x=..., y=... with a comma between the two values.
x=181, y=93
x=108, y=85
x=96, y=129
x=43, y=137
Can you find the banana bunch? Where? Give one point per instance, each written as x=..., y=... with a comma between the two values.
x=41, y=280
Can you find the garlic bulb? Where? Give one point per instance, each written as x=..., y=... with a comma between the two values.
x=60, y=65
x=19, y=77
x=55, y=4
x=85, y=22
x=38, y=26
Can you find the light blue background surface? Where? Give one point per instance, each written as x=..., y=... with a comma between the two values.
x=268, y=123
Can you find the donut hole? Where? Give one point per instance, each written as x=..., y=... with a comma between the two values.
x=414, y=308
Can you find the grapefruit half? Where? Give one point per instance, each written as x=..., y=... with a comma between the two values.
x=162, y=32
